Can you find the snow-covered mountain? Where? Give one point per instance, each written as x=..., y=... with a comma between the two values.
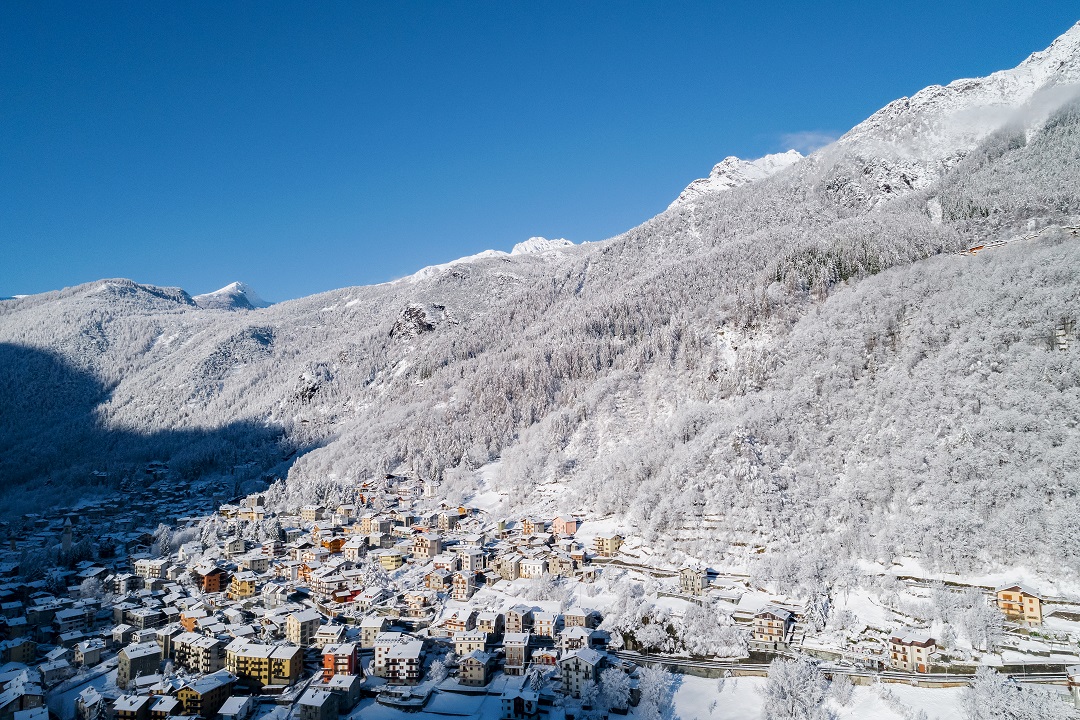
x=911, y=142
x=805, y=364
x=234, y=296
x=733, y=172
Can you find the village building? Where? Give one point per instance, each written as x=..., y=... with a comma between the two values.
x=439, y=580
x=312, y=513
x=300, y=627
x=1019, y=603
x=197, y=653
x=137, y=659
x=575, y=638
x=384, y=643
x=508, y=566
x=370, y=597
x=132, y=707
x=403, y=663
x=343, y=659
x=491, y=623
x=464, y=585
x=579, y=667
x=519, y=702
x=210, y=577
x=564, y=526
x=476, y=668
x=607, y=544
x=910, y=651
x=89, y=704
x=347, y=688
x=205, y=696
x=238, y=708
x=519, y=619
x=546, y=624
x=426, y=546
x=148, y=568
x=88, y=652
x=467, y=641
x=516, y=647
x=355, y=549
x=260, y=665
x=391, y=560
x=693, y=580
x=370, y=628
x=772, y=627
x=329, y=635
x=533, y=567
x=165, y=706
x=472, y=559
x=419, y=603
x=447, y=520
x=461, y=621
x=578, y=616
x=235, y=547
x=318, y=704
x=532, y=526
x=242, y=585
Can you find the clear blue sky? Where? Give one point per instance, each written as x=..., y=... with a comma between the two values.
x=302, y=147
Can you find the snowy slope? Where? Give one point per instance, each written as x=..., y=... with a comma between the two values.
x=779, y=356
x=912, y=141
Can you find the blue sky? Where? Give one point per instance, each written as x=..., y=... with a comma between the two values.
x=302, y=147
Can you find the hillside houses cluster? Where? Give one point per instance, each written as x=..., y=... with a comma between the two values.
x=776, y=627
x=317, y=607
x=213, y=627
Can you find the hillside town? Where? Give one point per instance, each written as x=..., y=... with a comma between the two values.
x=401, y=602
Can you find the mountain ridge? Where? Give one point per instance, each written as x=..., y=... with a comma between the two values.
x=802, y=356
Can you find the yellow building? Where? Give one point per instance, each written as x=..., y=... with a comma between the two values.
x=391, y=560
x=205, y=696
x=607, y=545
x=242, y=585
x=262, y=665
x=1020, y=603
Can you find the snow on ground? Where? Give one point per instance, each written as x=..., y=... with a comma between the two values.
x=443, y=705
x=868, y=610
x=909, y=567
x=740, y=699
x=63, y=704
x=589, y=529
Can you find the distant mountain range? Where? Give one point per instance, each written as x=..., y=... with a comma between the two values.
x=795, y=364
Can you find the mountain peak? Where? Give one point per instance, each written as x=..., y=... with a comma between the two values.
x=234, y=296
x=540, y=244
x=733, y=172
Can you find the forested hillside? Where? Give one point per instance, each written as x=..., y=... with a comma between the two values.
x=804, y=356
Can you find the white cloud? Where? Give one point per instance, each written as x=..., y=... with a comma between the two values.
x=807, y=141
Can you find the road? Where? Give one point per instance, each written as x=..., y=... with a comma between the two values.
x=677, y=662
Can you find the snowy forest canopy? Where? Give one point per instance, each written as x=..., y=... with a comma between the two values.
x=789, y=360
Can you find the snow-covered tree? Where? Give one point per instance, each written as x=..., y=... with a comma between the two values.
x=994, y=696
x=614, y=689
x=795, y=690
